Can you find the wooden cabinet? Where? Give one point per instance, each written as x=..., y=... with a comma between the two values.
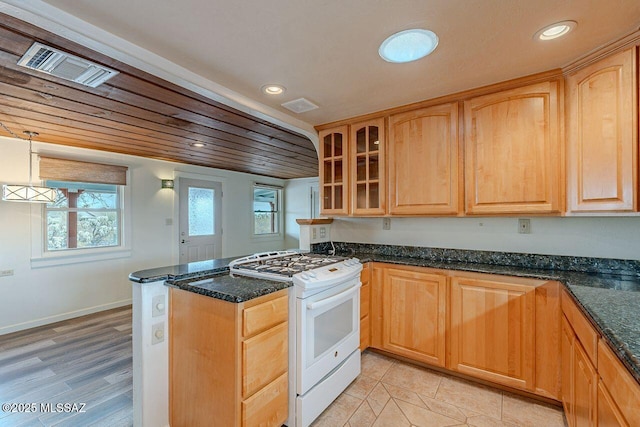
x=566, y=357
x=584, y=384
x=579, y=376
x=608, y=413
x=365, y=304
x=493, y=329
x=424, y=171
x=620, y=391
x=232, y=368
x=497, y=328
x=414, y=314
x=334, y=170
x=602, y=135
x=597, y=390
x=367, y=172
x=513, y=155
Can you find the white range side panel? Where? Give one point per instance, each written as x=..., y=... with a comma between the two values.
x=150, y=361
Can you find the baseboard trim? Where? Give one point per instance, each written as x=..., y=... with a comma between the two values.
x=64, y=316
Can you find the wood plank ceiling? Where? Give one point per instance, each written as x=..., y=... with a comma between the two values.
x=139, y=114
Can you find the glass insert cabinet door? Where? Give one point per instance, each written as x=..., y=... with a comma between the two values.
x=367, y=167
x=333, y=171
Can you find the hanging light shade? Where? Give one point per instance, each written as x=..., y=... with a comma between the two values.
x=24, y=193
x=28, y=193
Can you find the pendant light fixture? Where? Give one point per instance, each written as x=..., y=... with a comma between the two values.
x=28, y=193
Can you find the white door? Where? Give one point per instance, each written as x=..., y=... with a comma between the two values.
x=200, y=220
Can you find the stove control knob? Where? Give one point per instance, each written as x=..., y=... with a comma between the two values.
x=312, y=274
x=305, y=276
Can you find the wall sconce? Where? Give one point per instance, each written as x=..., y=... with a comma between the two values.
x=167, y=183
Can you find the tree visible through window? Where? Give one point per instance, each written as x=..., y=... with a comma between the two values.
x=266, y=209
x=84, y=215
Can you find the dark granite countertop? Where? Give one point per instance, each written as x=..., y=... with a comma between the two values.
x=210, y=278
x=233, y=289
x=182, y=271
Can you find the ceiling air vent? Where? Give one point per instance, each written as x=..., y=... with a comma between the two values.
x=60, y=64
x=300, y=105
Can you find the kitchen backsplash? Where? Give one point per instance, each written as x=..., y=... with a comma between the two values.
x=547, y=262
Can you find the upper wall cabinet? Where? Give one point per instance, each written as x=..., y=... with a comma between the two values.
x=602, y=135
x=423, y=162
x=368, y=168
x=334, y=167
x=513, y=156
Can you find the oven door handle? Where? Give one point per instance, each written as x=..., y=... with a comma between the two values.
x=324, y=302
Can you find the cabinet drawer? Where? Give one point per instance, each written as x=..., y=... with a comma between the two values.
x=264, y=358
x=584, y=331
x=269, y=406
x=263, y=316
x=624, y=390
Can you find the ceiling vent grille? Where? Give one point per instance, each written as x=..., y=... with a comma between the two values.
x=300, y=105
x=60, y=64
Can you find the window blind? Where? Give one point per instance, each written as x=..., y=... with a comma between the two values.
x=77, y=171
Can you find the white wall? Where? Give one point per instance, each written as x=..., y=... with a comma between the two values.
x=602, y=237
x=297, y=201
x=34, y=296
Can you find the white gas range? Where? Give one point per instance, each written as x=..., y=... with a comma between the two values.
x=324, y=331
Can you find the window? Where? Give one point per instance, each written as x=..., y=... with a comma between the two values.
x=266, y=210
x=84, y=215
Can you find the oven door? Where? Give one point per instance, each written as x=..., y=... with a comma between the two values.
x=328, y=332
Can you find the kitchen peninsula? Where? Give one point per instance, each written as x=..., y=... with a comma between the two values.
x=606, y=293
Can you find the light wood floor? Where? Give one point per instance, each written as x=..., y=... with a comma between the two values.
x=87, y=360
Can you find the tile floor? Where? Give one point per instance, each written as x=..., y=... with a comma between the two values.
x=391, y=393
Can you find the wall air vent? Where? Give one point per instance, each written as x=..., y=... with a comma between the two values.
x=60, y=64
x=300, y=105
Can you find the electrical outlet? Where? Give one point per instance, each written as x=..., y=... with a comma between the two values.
x=323, y=232
x=524, y=226
x=314, y=233
x=158, y=306
x=157, y=333
x=386, y=223
x=4, y=273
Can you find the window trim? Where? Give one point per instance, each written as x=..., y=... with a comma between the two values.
x=280, y=217
x=41, y=258
x=118, y=210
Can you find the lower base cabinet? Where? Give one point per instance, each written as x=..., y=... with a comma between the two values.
x=495, y=328
x=597, y=390
x=608, y=413
x=228, y=362
x=414, y=307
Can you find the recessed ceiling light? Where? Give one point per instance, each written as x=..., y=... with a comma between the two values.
x=556, y=30
x=198, y=144
x=273, y=89
x=408, y=45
